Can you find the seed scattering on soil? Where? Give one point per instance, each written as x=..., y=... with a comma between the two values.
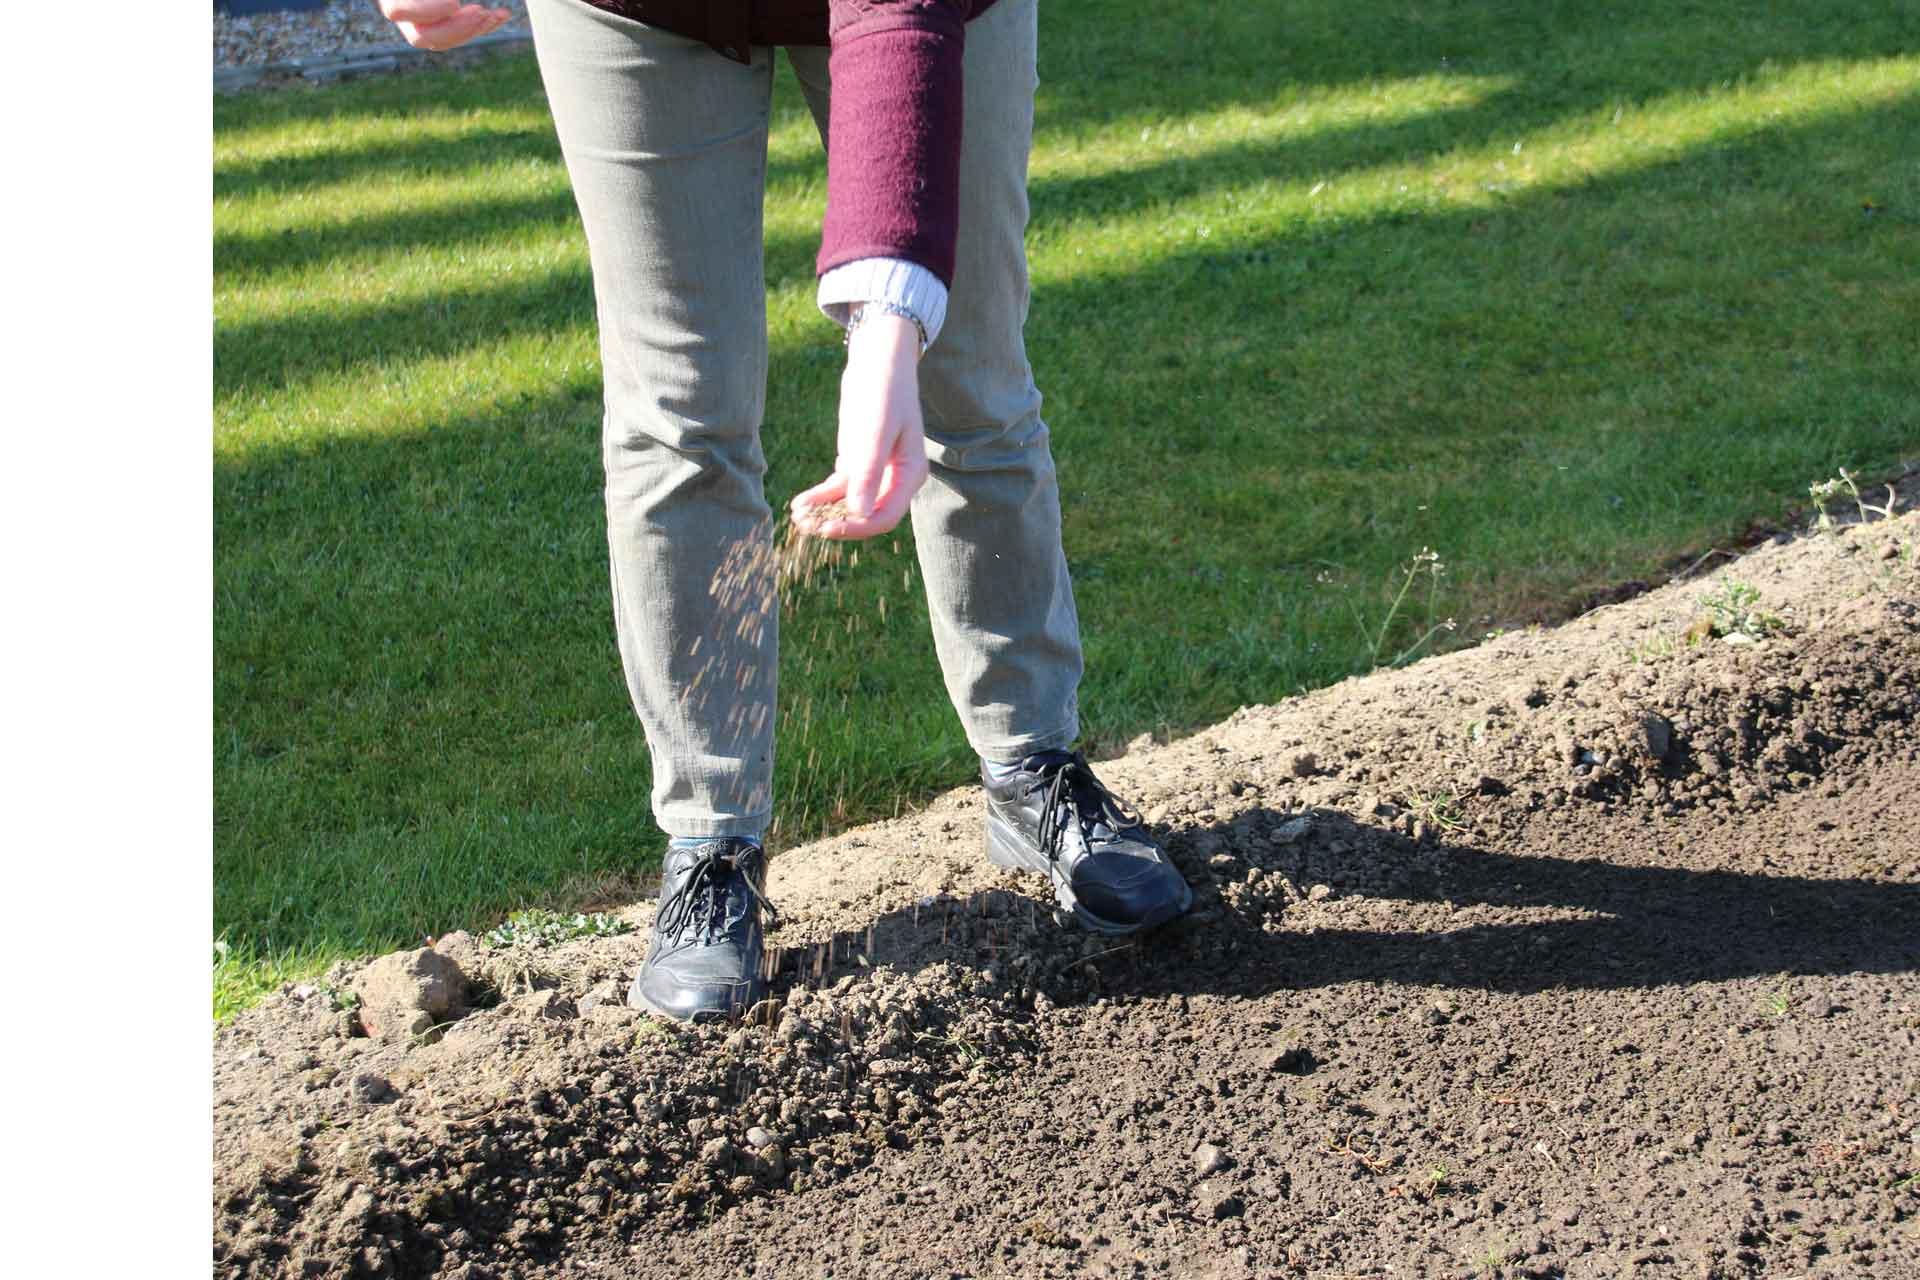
x=1588, y=952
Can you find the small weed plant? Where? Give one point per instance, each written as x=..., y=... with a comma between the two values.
x=1826, y=491
x=541, y=928
x=1441, y=812
x=343, y=1000
x=1734, y=610
x=1652, y=649
x=1427, y=564
x=969, y=1052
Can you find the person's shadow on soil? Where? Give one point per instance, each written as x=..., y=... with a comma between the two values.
x=1256, y=928
x=1638, y=926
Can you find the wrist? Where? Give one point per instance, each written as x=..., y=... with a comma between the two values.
x=884, y=327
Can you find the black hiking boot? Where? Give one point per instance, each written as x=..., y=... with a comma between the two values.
x=705, y=960
x=1053, y=817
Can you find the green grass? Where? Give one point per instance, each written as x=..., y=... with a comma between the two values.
x=1556, y=290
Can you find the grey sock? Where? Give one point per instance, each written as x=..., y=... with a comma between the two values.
x=694, y=842
x=998, y=771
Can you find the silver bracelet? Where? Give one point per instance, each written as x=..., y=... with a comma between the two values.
x=860, y=310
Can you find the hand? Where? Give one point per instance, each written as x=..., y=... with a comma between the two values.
x=882, y=455
x=440, y=25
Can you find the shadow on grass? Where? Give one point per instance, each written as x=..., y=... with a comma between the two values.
x=282, y=354
x=1567, y=57
x=513, y=83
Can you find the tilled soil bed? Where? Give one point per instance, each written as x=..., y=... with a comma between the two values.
x=1587, y=952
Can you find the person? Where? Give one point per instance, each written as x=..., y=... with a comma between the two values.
x=662, y=109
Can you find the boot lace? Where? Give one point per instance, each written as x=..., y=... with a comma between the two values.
x=699, y=905
x=1075, y=794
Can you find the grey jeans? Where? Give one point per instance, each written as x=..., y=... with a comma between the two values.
x=666, y=144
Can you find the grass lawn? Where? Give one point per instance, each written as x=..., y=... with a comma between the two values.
x=1558, y=290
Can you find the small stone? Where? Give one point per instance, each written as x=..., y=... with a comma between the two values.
x=462, y=948
x=1656, y=735
x=410, y=994
x=1209, y=1160
x=370, y=1087
x=1320, y=893
x=1291, y=830
x=1294, y=1062
x=758, y=1137
x=544, y=1005
x=1223, y=1206
x=606, y=993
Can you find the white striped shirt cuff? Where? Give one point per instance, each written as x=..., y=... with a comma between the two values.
x=904, y=284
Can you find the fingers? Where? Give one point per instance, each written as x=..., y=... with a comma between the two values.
x=805, y=506
x=454, y=26
x=899, y=482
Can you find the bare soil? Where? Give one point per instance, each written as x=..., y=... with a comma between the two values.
x=1590, y=951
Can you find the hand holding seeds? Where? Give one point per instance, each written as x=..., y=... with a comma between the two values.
x=882, y=457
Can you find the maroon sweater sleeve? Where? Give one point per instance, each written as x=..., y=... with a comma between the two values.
x=893, y=136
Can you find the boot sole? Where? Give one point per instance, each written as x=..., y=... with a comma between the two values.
x=637, y=999
x=1006, y=848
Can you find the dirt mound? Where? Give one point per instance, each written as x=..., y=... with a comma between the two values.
x=1587, y=952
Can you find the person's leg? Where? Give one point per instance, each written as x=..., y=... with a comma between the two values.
x=665, y=142
x=987, y=522
x=987, y=525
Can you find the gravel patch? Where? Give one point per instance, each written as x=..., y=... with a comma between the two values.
x=344, y=27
